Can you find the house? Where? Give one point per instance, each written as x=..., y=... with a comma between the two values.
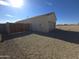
x=42, y=23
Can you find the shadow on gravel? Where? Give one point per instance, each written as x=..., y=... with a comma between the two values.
x=69, y=36
x=14, y=35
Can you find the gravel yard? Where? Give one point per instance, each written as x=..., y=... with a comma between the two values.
x=36, y=46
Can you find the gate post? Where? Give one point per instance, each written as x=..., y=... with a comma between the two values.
x=7, y=27
x=0, y=37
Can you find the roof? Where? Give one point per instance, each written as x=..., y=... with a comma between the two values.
x=38, y=16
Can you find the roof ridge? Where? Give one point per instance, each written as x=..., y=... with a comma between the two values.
x=38, y=16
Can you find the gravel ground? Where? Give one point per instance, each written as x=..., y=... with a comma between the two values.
x=35, y=46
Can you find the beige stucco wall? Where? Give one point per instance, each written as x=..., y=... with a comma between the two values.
x=41, y=23
x=52, y=19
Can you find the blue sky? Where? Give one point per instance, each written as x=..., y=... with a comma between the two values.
x=67, y=11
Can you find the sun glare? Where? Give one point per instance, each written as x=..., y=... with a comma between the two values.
x=16, y=3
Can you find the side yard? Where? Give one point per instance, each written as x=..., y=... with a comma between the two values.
x=36, y=46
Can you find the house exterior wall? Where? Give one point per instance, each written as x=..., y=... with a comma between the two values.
x=52, y=21
x=44, y=23
x=40, y=24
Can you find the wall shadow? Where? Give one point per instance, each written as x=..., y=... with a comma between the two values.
x=69, y=36
x=14, y=35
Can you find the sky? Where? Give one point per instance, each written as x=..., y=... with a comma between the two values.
x=67, y=11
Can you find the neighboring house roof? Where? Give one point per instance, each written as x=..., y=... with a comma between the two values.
x=36, y=16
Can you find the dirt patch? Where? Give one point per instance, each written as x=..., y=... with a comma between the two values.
x=41, y=46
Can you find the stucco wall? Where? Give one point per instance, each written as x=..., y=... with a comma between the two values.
x=52, y=19
x=41, y=23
